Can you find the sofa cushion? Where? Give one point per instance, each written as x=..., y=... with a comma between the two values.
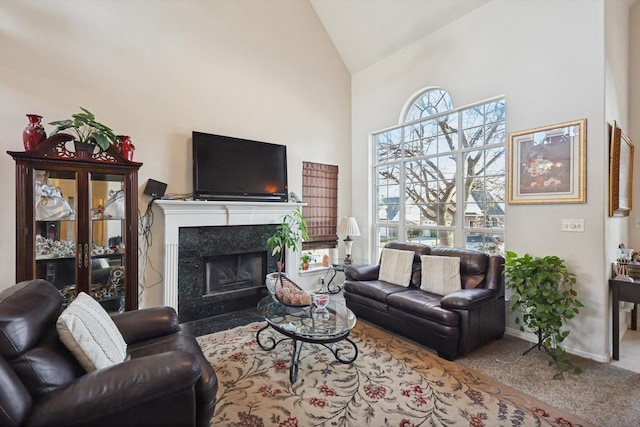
x=90, y=334
x=373, y=289
x=395, y=266
x=423, y=304
x=473, y=265
x=440, y=274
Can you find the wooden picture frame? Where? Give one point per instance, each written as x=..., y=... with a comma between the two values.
x=620, y=172
x=548, y=164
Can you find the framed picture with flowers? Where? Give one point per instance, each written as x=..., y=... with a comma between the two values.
x=548, y=164
x=620, y=172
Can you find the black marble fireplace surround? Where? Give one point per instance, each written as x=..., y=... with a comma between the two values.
x=199, y=247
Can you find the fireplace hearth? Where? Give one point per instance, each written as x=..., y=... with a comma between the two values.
x=222, y=269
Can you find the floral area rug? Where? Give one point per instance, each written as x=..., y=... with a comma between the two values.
x=392, y=382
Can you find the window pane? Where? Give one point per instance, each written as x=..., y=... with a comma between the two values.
x=388, y=145
x=386, y=235
x=433, y=101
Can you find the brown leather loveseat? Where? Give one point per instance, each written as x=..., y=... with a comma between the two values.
x=164, y=381
x=454, y=324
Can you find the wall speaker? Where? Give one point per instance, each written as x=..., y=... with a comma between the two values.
x=155, y=188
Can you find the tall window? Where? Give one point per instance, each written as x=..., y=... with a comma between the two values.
x=440, y=175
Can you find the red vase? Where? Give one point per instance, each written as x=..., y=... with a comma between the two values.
x=34, y=133
x=126, y=147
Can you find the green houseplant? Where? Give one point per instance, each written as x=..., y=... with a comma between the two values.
x=289, y=234
x=544, y=293
x=84, y=127
x=305, y=259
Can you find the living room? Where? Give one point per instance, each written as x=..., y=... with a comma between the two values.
x=269, y=71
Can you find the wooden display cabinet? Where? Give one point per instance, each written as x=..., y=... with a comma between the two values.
x=76, y=221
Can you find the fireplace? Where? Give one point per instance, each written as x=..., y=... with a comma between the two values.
x=191, y=236
x=226, y=274
x=222, y=269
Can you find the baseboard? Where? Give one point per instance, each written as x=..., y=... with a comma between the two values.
x=602, y=358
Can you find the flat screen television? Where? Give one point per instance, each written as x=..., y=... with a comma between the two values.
x=227, y=168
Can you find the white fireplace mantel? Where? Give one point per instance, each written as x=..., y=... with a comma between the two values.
x=196, y=213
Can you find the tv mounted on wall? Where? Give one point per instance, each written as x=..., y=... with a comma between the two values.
x=227, y=168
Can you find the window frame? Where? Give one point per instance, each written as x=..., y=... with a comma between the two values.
x=459, y=229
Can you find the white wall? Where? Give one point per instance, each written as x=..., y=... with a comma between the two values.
x=633, y=123
x=547, y=58
x=158, y=70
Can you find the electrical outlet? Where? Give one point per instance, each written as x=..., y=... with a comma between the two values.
x=573, y=225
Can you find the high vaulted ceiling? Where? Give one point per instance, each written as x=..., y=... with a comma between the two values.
x=366, y=31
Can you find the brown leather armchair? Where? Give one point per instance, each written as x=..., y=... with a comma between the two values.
x=165, y=380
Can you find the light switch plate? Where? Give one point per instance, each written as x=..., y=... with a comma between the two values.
x=573, y=225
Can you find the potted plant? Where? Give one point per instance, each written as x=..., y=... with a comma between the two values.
x=544, y=293
x=289, y=234
x=86, y=130
x=305, y=259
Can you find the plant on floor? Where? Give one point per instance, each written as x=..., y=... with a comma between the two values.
x=289, y=234
x=544, y=293
x=86, y=129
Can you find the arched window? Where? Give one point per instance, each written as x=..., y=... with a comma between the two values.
x=440, y=174
x=428, y=102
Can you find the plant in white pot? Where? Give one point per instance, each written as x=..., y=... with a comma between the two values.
x=545, y=296
x=289, y=234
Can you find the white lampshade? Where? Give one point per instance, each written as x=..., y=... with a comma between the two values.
x=348, y=227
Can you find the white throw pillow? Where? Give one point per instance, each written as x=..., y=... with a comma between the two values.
x=395, y=266
x=88, y=331
x=440, y=274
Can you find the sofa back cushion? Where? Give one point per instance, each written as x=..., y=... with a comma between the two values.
x=29, y=342
x=440, y=274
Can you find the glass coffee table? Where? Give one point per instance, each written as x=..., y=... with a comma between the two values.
x=329, y=327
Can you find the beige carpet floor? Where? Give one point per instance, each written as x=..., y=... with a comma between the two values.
x=605, y=395
x=392, y=382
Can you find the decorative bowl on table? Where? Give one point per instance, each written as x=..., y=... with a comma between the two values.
x=270, y=281
x=287, y=292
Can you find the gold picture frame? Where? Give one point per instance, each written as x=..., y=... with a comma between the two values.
x=620, y=172
x=548, y=164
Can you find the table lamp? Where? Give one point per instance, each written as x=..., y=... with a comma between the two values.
x=348, y=227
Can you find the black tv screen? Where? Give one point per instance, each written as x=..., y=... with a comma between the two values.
x=227, y=168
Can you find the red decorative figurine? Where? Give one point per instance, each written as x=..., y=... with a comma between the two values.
x=34, y=133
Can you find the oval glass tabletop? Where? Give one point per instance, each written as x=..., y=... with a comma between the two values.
x=309, y=322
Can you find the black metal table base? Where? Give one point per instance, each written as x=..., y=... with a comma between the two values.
x=298, y=341
x=330, y=287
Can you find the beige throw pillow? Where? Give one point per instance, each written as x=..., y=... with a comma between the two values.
x=440, y=274
x=88, y=331
x=395, y=266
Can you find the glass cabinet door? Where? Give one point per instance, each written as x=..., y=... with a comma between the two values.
x=56, y=231
x=107, y=244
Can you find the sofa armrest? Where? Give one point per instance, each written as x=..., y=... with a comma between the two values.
x=156, y=389
x=468, y=299
x=362, y=272
x=140, y=325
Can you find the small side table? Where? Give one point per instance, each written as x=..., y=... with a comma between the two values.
x=623, y=291
x=333, y=288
